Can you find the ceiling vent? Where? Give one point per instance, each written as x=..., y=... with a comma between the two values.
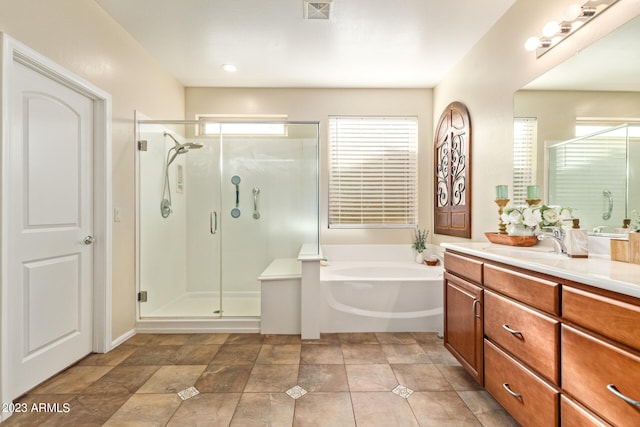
x=317, y=10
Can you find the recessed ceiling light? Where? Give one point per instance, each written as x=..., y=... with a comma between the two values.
x=229, y=68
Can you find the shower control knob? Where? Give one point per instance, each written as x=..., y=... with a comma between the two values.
x=88, y=240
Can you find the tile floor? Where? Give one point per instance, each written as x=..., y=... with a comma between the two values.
x=363, y=379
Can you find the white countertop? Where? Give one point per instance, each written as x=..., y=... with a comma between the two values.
x=600, y=272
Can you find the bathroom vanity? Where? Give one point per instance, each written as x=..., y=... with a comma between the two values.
x=555, y=340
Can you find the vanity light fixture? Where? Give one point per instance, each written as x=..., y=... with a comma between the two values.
x=575, y=15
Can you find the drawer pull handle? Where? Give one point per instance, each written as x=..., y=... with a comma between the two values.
x=473, y=308
x=512, y=331
x=612, y=388
x=511, y=392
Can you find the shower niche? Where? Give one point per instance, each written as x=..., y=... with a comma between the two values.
x=216, y=208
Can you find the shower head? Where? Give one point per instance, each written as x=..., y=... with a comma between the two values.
x=186, y=146
x=193, y=145
x=180, y=148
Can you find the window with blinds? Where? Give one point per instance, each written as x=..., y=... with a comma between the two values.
x=373, y=172
x=524, y=159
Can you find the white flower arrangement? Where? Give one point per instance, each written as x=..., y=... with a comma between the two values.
x=536, y=218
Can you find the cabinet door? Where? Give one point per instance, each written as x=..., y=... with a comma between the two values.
x=527, y=397
x=615, y=318
x=604, y=377
x=528, y=335
x=463, y=323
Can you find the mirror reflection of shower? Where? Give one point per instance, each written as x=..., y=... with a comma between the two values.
x=177, y=149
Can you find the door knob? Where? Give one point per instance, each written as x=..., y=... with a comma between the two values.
x=89, y=240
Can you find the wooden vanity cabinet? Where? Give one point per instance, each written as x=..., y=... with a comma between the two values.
x=463, y=324
x=555, y=352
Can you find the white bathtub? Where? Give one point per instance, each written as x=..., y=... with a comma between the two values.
x=380, y=296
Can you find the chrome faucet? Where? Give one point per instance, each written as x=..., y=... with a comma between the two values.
x=557, y=237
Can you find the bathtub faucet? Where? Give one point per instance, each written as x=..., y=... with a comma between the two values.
x=557, y=237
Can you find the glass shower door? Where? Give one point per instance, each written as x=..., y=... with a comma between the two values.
x=204, y=229
x=178, y=238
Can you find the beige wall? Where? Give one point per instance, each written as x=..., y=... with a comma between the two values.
x=81, y=37
x=486, y=79
x=317, y=105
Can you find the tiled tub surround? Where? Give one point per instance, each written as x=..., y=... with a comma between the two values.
x=372, y=379
x=555, y=338
x=378, y=288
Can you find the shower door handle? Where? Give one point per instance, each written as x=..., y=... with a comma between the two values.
x=213, y=222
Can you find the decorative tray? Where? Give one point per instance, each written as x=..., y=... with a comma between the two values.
x=505, y=239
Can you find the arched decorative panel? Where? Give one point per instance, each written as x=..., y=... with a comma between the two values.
x=452, y=154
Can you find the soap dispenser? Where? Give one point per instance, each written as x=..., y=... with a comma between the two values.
x=576, y=241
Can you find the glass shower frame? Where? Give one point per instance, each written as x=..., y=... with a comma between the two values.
x=277, y=198
x=594, y=173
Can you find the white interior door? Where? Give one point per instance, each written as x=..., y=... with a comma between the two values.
x=50, y=224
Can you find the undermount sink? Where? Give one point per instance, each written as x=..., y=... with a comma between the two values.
x=527, y=253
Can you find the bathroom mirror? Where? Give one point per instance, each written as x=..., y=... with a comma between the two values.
x=599, y=87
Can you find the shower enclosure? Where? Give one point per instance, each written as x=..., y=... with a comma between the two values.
x=217, y=203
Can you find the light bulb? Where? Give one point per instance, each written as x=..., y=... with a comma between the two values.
x=532, y=43
x=572, y=12
x=551, y=28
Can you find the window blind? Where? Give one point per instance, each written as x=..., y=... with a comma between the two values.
x=372, y=172
x=524, y=160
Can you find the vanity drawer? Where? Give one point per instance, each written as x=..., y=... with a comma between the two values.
x=574, y=415
x=528, y=398
x=590, y=367
x=534, y=291
x=613, y=318
x=527, y=334
x=462, y=266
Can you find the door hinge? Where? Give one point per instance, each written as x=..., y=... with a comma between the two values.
x=142, y=296
x=142, y=145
